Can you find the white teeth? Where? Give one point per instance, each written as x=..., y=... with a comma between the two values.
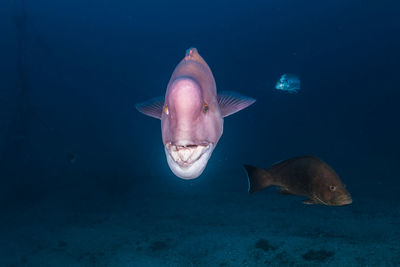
x=197, y=152
x=174, y=155
x=186, y=155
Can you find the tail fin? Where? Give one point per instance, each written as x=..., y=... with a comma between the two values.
x=258, y=178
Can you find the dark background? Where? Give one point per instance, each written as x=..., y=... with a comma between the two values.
x=71, y=72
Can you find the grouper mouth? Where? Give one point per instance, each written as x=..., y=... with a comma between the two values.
x=344, y=200
x=189, y=160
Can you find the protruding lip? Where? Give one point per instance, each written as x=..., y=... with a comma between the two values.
x=345, y=200
x=187, y=153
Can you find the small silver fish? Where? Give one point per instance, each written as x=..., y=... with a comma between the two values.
x=289, y=83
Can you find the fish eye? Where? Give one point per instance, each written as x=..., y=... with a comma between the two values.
x=205, y=108
x=166, y=110
x=332, y=188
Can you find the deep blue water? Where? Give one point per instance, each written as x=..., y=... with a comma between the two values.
x=72, y=71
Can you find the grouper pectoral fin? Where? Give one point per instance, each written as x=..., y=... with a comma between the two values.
x=284, y=191
x=258, y=178
x=152, y=107
x=232, y=102
x=310, y=201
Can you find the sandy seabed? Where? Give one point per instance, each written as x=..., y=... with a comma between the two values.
x=147, y=228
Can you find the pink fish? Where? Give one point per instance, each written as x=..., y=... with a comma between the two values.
x=192, y=115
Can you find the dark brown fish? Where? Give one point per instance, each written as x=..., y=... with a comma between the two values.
x=303, y=176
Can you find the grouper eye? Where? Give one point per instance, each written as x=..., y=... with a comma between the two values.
x=205, y=108
x=166, y=110
x=332, y=188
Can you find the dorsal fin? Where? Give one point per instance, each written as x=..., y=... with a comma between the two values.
x=152, y=107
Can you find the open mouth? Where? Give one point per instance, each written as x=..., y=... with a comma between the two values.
x=186, y=155
x=188, y=161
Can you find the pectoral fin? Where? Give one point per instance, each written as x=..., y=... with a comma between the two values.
x=152, y=107
x=310, y=201
x=232, y=102
x=284, y=191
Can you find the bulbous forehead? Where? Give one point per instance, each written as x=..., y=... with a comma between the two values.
x=184, y=93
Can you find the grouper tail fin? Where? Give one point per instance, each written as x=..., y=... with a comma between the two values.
x=258, y=178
